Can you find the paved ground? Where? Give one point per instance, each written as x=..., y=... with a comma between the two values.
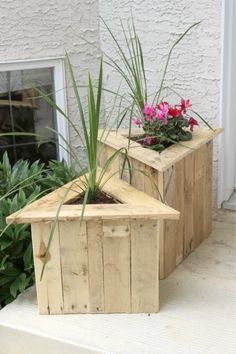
x=198, y=312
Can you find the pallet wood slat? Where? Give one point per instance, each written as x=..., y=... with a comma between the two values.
x=95, y=263
x=74, y=266
x=183, y=175
x=145, y=266
x=49, y=288
x=116, y=255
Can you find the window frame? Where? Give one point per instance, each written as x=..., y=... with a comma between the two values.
x=57, y=64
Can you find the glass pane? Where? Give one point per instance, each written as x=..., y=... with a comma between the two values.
x=23, y=110
x=5, y=116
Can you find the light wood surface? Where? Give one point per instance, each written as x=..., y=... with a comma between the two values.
x=168, y=157
x=99, y=266
x=95, y=262
x=134, y=203
x=49, y=288
x=183, y=175
x=108, y=262
x=145, y=266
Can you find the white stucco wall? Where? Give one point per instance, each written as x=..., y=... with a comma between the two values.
x=44, y=29
x=32, y=30
x=194, y=69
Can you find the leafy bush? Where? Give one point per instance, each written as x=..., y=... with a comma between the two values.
x=20, y=185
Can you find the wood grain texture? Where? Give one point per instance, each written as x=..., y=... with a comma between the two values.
x=116, y=256
x=132, y=202
x=198, y=195
x=49, y=288
x=95, y=266
x=168, y=157
x=144, y=266
x=99, y=211
x=183, y=175
x=188, y=204
x=74, y=266
x=207, y=221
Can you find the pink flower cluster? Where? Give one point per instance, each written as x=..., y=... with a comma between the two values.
x=162, y=112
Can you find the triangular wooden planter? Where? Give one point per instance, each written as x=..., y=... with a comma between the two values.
x=108, y=263
x=183, y=175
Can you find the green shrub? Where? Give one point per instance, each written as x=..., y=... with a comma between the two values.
x=19, y=185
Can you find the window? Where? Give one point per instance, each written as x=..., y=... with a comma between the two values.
x=23, y=111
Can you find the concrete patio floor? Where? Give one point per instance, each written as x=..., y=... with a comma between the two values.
x=198, y=312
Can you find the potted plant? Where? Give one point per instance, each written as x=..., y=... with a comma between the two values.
x=164, y=148
x=96, y=239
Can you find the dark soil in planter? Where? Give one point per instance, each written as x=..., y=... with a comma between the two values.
x=101, y=198
x=155, y=145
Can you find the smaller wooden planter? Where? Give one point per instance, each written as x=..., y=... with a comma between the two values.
x=108, y=263
x=183, y=175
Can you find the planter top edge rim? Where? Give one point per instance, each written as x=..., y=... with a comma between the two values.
x=94, y=212
x=120, y=190
x=167, y=158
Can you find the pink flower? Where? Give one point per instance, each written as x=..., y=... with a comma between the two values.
x=164, y=120
x=163, y=107
x=185, y=105
x=149, y=119
x=149, y=110
x=162, y=112
x=192, y=122
x=147, y=140
x=137, y=122
x=174, y=112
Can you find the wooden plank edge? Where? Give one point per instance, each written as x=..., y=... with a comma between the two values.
x=157, y=160
x=98, y=211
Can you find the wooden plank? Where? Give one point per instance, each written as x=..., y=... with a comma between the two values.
x=61, y=195
x=130, y=195
x=198, y=196
x=137, y=179
x=95, y=265
x=102, y=154
x=162, y=249
x=116, y=253
x=46, y=208
x=207, y=195
x=169, y=156
x=114, y=167
x=170, y=229
x=124, y=169
x=113, y=228
x=144, y=266
x=106, y=152
x=179, y=204
x=74, y=264
x=151, y=182
x=188, y=204
x=102, y=211
x=161, y=230
x=49, y=289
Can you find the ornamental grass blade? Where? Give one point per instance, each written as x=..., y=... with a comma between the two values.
x=168, y=59
x=204, y=120
x=79, y=103
x=53, y=228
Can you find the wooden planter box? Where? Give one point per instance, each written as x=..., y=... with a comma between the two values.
x=108, y=263
x=183, y=174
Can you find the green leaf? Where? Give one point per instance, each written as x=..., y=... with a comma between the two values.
x=18, y=285
x=28, y=257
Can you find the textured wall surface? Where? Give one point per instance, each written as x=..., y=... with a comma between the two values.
x=43, y=29
x=194, y=69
